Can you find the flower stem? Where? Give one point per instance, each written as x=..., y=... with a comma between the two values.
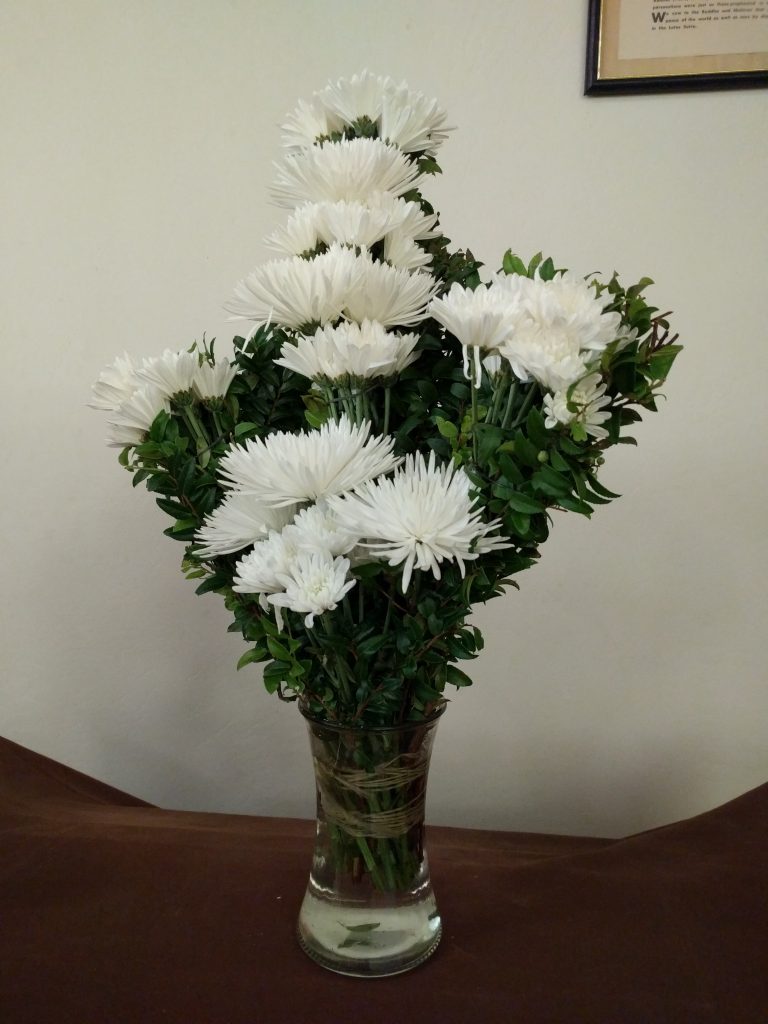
x=527, y=403
x=387, y=401
x=474, y=420
x=510, y=404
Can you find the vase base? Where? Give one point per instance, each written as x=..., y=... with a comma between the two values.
x=372, y=968
x=364, y=941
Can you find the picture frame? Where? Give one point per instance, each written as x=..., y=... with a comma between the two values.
x=668, y=45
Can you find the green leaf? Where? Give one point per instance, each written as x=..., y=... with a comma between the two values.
x=274, y=674
x=524, y=503
x=510, y=469
x=456, y=677
x=255, y=654
x=660, y=362
x=173, y=508
x=574, y=504
x=526, y=452
x=368, y=570
x=512, y=264
x=216, y=582
x=276, y=649
x=533, y=265
x=140, y=475
x=547, y=270
x=489, y=438
x=446, y=428
x=598, y=488
x=521, y=522
x=537, y=432
x=551, y=481
x=370, y=646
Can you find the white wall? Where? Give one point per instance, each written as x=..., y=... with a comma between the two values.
x=624, y=687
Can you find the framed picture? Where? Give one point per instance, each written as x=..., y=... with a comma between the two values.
x=651, y=45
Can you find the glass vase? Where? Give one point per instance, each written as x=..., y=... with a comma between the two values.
x=369, y=909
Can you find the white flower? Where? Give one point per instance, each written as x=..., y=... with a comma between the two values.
x=295, y=292
x=316, y=528
x=399, y=223
x=286, y=468
x=212, y=381
x=171, y=372
x=309, y=122
x=352, y=98
x=135, y=416
x=587, y=400
x=417, y=518
x=237, y=523
x=315, y=583
x=402, y=251
x=351, y=169
x=389, y=295
x=362, y=352
x=557, y=328
x=411, y=121
x=477, y=317
x=404, y=215
x=116, y=383
x=402, y=116
x=260, y=571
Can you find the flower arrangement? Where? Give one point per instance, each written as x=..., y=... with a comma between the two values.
x=384, y=447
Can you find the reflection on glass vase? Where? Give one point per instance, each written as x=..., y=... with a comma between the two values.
x=369, y=909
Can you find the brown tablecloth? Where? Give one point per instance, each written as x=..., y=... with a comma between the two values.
x=113, y=911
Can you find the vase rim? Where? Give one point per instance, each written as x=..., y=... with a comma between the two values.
x=404, y=726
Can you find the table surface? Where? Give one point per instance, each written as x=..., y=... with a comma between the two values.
x=114, y=911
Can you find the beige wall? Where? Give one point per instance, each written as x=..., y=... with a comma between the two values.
x=625, y=685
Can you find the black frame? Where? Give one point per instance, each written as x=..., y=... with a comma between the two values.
x=595, y=86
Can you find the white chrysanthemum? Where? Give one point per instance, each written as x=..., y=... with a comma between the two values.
x=315, y=583
x=260, y=571
x=285, y=468
x=237, y=523
x=557, y=328
x=404, y=215
x=295, y=292
x=401, y=251
x=351, y=169
x=116, y=383
x=419, y=517
x=392, y=296
x=136, y=415
x=358, y=351
x=411, y=121
x=300, y=233
x=308, y=122
x=316, y=528
x=401, y=224
x=587, y=400
x=404, y=117
x=171, y=372
x=477, y=318
x=213, y=381
x=349, y=223
x=349, y=99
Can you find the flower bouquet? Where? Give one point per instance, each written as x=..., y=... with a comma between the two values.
x=382, y=450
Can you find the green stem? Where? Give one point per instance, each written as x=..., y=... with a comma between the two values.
x=510, y=404
x=502, y=381
x=387, y=400
x=527, y=403
x=474, y=421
